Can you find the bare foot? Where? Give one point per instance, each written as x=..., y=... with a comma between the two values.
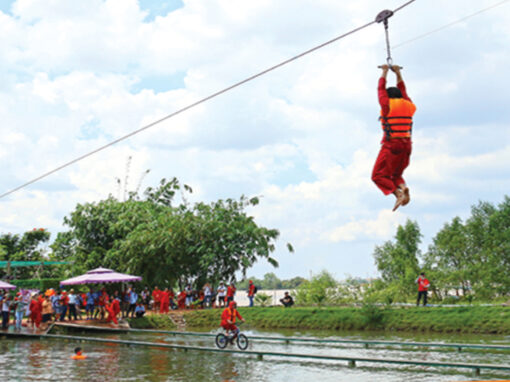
x=399, y=194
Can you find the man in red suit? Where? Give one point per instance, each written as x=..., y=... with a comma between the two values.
x=397, y=112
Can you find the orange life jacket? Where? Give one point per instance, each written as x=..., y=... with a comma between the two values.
x=399, y=121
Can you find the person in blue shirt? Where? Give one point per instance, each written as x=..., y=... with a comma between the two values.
x=139, y=310
x=133, y=299
x=90, y=304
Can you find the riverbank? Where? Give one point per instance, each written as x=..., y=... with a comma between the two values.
x=472, y=319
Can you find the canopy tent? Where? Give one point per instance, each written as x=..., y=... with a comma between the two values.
x=4, y=285
x=100, y=276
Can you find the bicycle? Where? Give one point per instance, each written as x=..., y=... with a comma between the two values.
x=222, y=340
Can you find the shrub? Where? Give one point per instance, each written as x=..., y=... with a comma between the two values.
x=262, y=299
x=321, y=289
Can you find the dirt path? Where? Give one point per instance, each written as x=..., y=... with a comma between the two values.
x=177, y=318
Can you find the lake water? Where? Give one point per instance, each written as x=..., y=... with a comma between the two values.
x=49, y=360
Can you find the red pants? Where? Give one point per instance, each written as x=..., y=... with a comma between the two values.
x=164, y=307
x=36, y=318
x=229, y=327
x=391, y=163
x=112, y=317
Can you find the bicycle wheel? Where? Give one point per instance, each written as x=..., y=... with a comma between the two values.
x=221, y=341
x=242, y=342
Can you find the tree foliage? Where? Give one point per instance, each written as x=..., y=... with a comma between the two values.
x=25, y=247
x=474, y=256
x=321, y=289
x=163, y=241
x=397, y=260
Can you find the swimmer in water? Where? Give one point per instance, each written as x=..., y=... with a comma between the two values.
x=78, y=354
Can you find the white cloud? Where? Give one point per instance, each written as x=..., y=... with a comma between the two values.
x=380, y=228
x=305, y=136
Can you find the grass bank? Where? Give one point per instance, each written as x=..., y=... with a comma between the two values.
x=153, y=321
x=475, y=319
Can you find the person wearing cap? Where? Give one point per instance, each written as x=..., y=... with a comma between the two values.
x=231, y=291
x=228, y=319
x=251, y=292
x=423, y=287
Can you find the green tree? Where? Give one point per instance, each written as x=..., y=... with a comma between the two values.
x=26, y=247
x=397, y=261
x=488, y=231
x=320, y=290
x=165, y=242
x=271, y=281
x=449, y=261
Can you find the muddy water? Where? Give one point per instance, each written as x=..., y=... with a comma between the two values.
x=49, y=360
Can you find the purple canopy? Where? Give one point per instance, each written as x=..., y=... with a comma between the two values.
x=4, y=285
x=100, y=276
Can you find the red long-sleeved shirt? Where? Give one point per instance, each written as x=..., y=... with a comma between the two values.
x=384, y=100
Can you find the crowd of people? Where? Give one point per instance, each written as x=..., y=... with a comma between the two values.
x=110, y=305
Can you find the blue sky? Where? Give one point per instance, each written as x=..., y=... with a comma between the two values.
x=76, y=75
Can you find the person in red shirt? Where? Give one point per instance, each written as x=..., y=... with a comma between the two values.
x=113, y=310
x=228, y=319
x=64, y=300
x=171, y=298
x=251, y=292
x=156, y=297
x=423, y=287
x=164, y=301
x=104, y=300
x=397, y=111
x=35, y=311
x=181, y=300
x=231, y=291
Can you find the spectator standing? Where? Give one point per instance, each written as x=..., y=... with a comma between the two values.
x=35, y=311
x=156, y=297
x=89, y=307
x=207, y=295
x=164, y=301
x=133, y=299
x=64, y=302
x=231, y=292
x=423, y=287
x=251, y=292
x=6, y=305
x=189, y=295
x=146, y=297
x=19, y=312
x=222, y=293
x=73, y=301
x=47, y=310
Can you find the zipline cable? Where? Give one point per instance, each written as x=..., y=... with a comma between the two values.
x=194, y=104
x=450, y=24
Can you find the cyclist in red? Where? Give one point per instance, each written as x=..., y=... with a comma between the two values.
x=228, y=319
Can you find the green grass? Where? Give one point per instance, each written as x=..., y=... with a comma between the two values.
x=475, y=319
x=153, y=321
